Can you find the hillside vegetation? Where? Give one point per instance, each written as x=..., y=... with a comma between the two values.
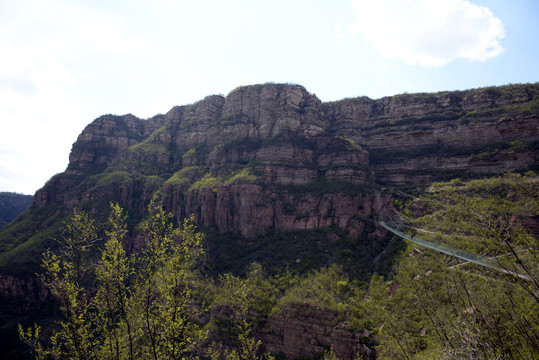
x=436, y=306
x=430, y=305
x=11, y=205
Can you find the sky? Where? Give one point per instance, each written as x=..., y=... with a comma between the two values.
x=65, y=63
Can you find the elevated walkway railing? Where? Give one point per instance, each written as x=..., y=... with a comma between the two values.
x=464, y=255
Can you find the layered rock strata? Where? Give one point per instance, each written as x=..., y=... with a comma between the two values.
x=298, y=151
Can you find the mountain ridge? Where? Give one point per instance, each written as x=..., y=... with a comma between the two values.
x=11, y=205
x=489, y=130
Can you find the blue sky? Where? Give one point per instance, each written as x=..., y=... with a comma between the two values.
x=64, y=63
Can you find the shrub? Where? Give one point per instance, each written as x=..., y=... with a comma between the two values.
x=206, y=182
x=244, y=176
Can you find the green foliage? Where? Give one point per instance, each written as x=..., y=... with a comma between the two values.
x=243, y=297
x=155, y=135
x=148, y=157
x=352, y=146
x=189, y=153
x=207, y=181
x=380, y=156
x=529, y=107
x=244, y=176
x=217, y=148
x=491, y=151
x=64, y=275
x=430, y=306
x=465, y=206
x=163, y=289
x=247, y=348
x=31, y=338
x=512, y=99
x=300, y=252
x=441, y=311
x=254, y=293
x=115, y=178
x=437, y=307
x=330, y=355
x=185, y=176
x=146, y=148
x=327, y=288
x=126, y=306
x=21, y=244
x=150, y=184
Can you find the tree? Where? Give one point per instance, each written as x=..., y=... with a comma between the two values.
x=126, y=306
x=246, y=299
x=65, y=275
x=166, y=266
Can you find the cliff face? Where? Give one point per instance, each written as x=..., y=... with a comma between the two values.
x=454, y=119
x=315, y=331
x=274, y=157
x=414, y=137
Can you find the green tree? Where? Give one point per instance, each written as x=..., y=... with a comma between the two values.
x=126, y=306
x=113, y=304
x=65, y=274
x=166, y=268
x=247, y=299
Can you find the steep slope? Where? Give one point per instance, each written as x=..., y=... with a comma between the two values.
x=273, y=157
x=419, y=138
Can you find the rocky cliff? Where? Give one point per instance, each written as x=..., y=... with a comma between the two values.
x=274, y=158
x=315, y=331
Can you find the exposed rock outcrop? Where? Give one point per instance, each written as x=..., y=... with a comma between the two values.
x=314, y=332
x=288, y=137
x=13, y=289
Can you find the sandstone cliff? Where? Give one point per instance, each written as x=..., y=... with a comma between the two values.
x=274, y=157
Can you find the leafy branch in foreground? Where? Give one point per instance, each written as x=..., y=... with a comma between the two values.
x=125, y=306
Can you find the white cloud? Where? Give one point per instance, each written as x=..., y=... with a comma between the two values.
x=427, y=32
x=44, y=46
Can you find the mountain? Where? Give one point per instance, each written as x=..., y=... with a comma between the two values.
x=264, y=138
x=11, y=205
x=275, y=175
